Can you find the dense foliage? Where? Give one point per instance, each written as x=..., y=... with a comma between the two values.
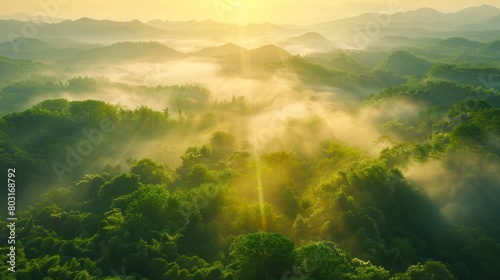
x=138, y=193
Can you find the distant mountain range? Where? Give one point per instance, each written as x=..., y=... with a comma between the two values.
x=229, y=54
x=423, y=16
x=477, y=23
x=481, y=23
x=28, y=17
x=142, y=51
x=89, y=30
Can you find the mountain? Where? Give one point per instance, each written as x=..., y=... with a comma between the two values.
x=210, y=28
x=130, y=51
x=190, y=26
x=404, y=64
x=220, y=51
x=12, y=70
x=348, y=63
x=458, y=42
x=466, y=16
x=492, y=23
x=394, y=42
x=268, y=53
x=424, y=22
x=46, y=51
x=489, y=24
x=26, y=17
x=89, y=30
x=419, y=15
x=475, y=14
x=312, y=41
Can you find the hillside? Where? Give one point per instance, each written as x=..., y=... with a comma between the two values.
x=312, y=41
x=227, y=49
x=129, y=51
x=346, y=62
x=457, y=42
x=404, y=64
x=12, y=70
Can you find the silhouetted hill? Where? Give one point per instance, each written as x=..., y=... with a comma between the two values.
x=89, y=30
x=308, y=42
x=474, y=14
x=419, y=15
x=424, y=22
x=191, y=25
x=268, y=53
x=46, y=51
x=309, y=39
x=123, y=51
x=223, y=50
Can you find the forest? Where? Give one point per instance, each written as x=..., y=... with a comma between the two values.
x=382, y=163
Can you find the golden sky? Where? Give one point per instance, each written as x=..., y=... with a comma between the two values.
x=236, y=11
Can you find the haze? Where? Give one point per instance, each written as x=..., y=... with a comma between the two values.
x=231, y=11
x=140, y=140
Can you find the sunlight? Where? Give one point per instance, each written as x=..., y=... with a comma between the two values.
x=250, y=139
x=261, y=193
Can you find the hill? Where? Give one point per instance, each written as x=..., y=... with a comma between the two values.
x=90, y=30
x=190, y=26
x=313, y=41
x=126, y=51
x=346, y=62
x=12, y=70
x=222, y=50
x=458, y=42
x=405, y=64
x=268, y=53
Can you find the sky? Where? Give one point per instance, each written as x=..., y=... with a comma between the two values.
x=231, y=11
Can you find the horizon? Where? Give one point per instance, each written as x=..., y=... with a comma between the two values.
x=238, y=12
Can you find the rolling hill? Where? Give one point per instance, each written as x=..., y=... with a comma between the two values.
x=12, y=70
x=312, y=41
x=346, y=62
x=89, y=30
x=405, y=64
x=130, y=51
x=227, y=49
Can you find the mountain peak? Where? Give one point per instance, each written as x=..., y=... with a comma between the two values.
x=484, y=7
x=222, y=50
x=85, y=19
x=483, y=11
x=309, y=38
x=311, y=35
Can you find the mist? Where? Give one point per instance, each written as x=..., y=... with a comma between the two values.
x=464, y=186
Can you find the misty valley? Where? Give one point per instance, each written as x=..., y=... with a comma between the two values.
x=360, y=148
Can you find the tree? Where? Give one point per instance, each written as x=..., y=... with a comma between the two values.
x=367, y=271
x=321, y=261
x=261, y=256
x=431, y=270
x=120, y=185
x=150, y=172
